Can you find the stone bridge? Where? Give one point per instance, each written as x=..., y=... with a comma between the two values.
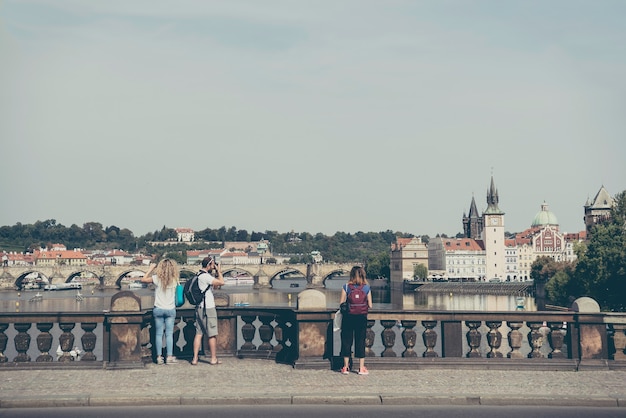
x=112, y=276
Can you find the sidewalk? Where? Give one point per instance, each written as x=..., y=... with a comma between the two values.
x=265, y=382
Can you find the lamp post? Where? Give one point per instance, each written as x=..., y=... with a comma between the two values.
x=261, y=249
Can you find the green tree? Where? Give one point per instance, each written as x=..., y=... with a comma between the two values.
x=559, y=289
x=378, y=265
x=420, y=271
x=601, y=269
x=555, y=278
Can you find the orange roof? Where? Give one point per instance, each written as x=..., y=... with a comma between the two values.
x=400, y=243
x=461, y=244
x=63, y=255
x=117, y=253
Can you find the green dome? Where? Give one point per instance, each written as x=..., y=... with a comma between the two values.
x=544, y=217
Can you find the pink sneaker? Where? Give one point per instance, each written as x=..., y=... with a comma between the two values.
x=363, y=371
x=345, y=370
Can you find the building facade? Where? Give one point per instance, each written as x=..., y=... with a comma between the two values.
x=185, y=235
x=457, y=259
x=406, y=253
x=598, y=209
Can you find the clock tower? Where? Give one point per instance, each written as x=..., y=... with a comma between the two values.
x=493, y=236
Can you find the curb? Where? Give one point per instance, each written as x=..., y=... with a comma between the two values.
x=261, y=399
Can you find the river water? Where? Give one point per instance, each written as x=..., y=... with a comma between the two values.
x=283, y=294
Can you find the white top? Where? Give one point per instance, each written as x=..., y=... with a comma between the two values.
x=204, y=280
x=164, y=298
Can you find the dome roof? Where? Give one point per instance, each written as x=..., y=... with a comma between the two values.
x=544, y=217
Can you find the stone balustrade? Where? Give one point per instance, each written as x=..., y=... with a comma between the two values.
x=304, y=337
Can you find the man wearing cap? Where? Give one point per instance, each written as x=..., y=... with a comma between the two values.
x=206, y=314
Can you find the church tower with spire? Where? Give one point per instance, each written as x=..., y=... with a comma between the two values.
x=473, y=222
x=493, y=236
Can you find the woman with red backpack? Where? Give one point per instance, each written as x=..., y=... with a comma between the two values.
x=358, y=294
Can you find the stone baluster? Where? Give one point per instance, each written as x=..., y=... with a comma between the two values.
x=473, y=338
x=284, y=332
x=88, y=341
x=429, y=336
x=44, y=342
x=556, y=339
x=388, y=337
x=66, y=341
x=515, y=339
x=247, y=332
x=279, y=335
x=189, y=333
x=266, y=332
x=22, y=342
x=146, y=339
x=369, y=339
x=409, y=338
x=494, y=339
x=535, y=339
x=3, y=343
x=619, y=342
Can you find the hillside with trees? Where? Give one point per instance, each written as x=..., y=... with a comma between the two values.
x=371, y=248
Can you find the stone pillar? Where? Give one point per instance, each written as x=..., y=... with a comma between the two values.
x=123, y=323
x=592, y=335
x=315, y=342
x=226, y=325
x=619, y=341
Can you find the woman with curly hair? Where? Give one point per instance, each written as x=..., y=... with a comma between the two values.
x=165, y=277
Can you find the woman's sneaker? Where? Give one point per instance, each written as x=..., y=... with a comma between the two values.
x=171, y=360
x=160, y=360
x=363, y=371
x=345, y=370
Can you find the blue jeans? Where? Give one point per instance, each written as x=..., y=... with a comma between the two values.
x=164, y=319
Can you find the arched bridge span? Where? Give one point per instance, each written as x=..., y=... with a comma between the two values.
x=111, y=276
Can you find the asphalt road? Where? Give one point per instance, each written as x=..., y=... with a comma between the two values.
x=326, y=411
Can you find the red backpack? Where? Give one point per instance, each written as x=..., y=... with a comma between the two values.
x=357, y=300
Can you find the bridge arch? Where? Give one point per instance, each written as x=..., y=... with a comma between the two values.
x=31, y=276
x=279, y=275
x=187, y=273
x=124, y=275
x=333, y=273
x=86, y=276
x=237, y=270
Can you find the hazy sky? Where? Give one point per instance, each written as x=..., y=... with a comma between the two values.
x=314, y=116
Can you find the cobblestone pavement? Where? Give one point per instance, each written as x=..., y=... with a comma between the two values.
x=265, y=382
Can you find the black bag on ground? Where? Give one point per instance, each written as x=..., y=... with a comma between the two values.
x=192, y=290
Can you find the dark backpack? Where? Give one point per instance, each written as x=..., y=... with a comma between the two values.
x=192, y=290
x=357, y=300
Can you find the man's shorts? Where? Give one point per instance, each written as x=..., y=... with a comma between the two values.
x=206, y=324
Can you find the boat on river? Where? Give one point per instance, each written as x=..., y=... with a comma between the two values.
x=239, y=280
x=137, y=285
x=63, y=286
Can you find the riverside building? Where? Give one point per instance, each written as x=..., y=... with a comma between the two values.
x=485, y=254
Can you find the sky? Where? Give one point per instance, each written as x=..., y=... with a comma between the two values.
x=308, y=116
